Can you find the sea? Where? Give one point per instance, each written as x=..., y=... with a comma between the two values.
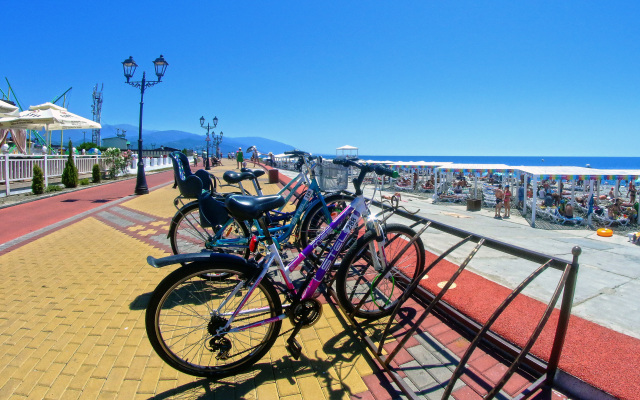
x=625, y=163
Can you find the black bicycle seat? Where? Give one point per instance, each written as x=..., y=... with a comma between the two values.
x=234, y=177
x=256, y=172
x=249, y=207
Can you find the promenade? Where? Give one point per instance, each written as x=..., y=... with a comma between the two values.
x=76, y=285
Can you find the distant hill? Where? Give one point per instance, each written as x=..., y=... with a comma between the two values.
x=173, y=138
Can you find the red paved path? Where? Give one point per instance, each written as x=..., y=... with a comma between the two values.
x=22, y=219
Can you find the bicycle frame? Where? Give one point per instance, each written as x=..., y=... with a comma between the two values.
x=353, y=213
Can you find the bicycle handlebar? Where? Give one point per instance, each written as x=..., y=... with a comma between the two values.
x=365, y=168
x=377, y=168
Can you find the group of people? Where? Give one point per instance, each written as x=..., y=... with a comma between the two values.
x=503, y=199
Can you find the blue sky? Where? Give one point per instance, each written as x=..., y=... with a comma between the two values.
x=390, y=77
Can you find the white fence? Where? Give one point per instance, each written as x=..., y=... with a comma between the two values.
x=19, y=168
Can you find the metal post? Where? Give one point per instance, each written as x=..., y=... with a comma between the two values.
x=7, y=190
x=141, y=179
x=46, y=171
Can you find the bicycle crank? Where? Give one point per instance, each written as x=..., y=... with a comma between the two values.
x=305, y=313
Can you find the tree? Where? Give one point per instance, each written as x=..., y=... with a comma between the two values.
x=95, y=173
x=87, y=146
x=70, y=172
x=37, y=184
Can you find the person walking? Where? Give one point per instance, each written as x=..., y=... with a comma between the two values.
x=239, y=157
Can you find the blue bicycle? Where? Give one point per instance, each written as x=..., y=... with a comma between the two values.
x=205, y=224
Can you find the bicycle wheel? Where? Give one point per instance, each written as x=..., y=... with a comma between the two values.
x=360, y=271
x=187, y=235
x=315, y=221
x=185, y=311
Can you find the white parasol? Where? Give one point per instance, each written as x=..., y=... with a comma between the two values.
x=8, y=109
x=50, y=117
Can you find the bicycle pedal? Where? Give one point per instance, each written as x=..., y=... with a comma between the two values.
x=294, y=348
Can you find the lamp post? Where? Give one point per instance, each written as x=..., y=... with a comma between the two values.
x=216, y=141
x=208, y=128
x=129, y=67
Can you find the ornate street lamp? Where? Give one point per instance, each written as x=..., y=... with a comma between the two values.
x=208, y=128
x=216, y=141
x=129, y=67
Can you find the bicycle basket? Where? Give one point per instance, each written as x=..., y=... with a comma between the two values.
x=333, y=177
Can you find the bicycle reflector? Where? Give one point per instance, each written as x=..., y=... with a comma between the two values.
x=253, y=243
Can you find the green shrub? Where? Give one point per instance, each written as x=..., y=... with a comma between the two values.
x=84, y=182
x=53, y=188
x=37, y=184
x=96, y=173
x=70, y=172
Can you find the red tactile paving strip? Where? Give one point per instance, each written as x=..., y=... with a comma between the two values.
x=599, y=356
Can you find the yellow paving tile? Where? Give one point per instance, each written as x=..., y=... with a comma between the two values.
x=80, y=332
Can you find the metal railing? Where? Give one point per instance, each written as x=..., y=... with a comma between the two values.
x=516, y=358
x=19, y=167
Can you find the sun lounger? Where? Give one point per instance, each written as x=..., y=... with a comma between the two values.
x=558, y=218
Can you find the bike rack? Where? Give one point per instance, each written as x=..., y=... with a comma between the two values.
x=517, y=358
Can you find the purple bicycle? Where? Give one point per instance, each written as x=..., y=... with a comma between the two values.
x=219, y=314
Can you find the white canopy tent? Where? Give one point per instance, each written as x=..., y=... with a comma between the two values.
x=571, y=174
x=474, y=169
x=347, y=151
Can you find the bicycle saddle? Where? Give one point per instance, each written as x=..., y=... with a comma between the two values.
x=249, y=207
x=256, y=172
x=234, y=177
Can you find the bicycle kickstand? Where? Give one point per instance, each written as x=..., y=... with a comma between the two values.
x=292, y=346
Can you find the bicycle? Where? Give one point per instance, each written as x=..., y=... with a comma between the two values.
x=218, y=313
x=203, y=224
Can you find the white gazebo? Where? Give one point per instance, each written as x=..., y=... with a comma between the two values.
x=347, y=151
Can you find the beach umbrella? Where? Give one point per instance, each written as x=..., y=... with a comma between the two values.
x=8, y=109
x=48, y=116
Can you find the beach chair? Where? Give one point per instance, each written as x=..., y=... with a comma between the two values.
x=558, y=218
x=606, y=221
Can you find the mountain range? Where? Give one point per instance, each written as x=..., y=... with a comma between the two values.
x=172, y=138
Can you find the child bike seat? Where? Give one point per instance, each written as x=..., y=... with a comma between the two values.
x=234, y=177
x=256, y=172
x=212, y=212
x=246, y=208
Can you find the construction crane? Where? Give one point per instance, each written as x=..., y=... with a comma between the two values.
x=96, y=109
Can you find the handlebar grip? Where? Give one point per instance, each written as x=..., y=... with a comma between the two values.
x=382, y=170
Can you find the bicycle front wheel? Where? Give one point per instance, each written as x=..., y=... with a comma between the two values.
x=315, y=220
x=186, y=312
x=361, y=276
x=187, y=235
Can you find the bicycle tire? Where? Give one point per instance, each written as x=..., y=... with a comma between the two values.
x=356, y=275
x=187, y=235
x=314, y=220
x=180, y=315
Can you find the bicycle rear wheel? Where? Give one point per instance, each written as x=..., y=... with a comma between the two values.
x=186, y=311
x=359, y=272
x=187, y=235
